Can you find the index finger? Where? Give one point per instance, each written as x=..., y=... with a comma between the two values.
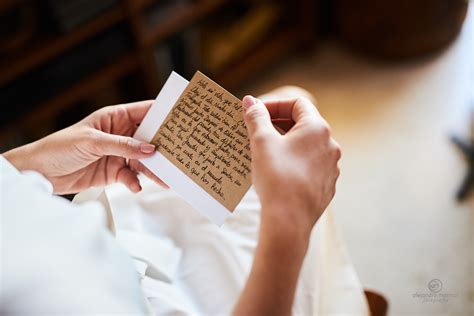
x=136, y=111
x=294, y=109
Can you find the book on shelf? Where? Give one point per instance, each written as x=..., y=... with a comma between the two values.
x=224, y=45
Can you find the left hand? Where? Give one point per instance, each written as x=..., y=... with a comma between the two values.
x=96, y=151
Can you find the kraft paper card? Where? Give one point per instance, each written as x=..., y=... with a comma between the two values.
x=203, y=152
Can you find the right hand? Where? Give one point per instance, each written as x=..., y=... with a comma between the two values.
x=294, y=174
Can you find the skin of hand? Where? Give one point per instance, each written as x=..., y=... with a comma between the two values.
x=96, y=151
x=294, y=175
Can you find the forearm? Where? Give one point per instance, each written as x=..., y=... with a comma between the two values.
x=271, y=285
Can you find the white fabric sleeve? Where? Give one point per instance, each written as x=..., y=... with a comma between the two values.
x=59, y=258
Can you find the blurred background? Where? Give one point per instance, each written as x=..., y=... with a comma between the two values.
x=62, y=59
x=394, y=79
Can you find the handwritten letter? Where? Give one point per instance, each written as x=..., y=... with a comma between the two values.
x=204, y=135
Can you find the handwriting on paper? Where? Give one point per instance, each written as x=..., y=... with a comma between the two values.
x=204, y=135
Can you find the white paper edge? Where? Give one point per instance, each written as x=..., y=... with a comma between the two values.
x=191, y=192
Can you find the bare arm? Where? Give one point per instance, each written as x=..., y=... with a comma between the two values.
x=272, y=282
x=294, y=175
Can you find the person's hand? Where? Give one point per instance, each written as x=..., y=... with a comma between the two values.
x=294, y=174
x=96, y=151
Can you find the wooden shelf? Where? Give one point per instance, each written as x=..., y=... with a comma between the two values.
x=180, y=19
x=46, y=50
x=7, y=4
x=80, y=90
x=136, y=6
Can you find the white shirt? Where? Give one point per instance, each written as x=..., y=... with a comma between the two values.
x=57, y=257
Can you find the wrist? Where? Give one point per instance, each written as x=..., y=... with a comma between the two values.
x=284, y=230
x=22, y=158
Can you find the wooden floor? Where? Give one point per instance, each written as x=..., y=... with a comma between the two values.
x=395, y=199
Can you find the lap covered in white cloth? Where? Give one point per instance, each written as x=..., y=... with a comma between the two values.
x=188, y=265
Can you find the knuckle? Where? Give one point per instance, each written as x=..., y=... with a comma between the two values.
x=119, y=111
x=337, y=151
x=134, y=166
x=324, y=130
x=105, y=110
x=114, y=111
x=125, y=143
x=254, y=113
x=338, y=172
x=122, y=142
x=320, y=131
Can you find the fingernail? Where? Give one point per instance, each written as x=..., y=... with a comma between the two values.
x=147, y=148
x=248, y=101
x=136, y=187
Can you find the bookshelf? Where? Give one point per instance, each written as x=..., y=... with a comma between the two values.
x=7, y=4
x=181, y=18
x=50, y=48
x=83, y=88
x=140, y=56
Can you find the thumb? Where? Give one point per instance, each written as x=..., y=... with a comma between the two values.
x=123, y=146
x=256, y=116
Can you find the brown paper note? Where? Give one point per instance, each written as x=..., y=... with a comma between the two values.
x=204, y=135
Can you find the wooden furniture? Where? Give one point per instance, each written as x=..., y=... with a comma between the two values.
x=378, y=304
x=467, y=149
x=398, y=29
x=140, y=58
